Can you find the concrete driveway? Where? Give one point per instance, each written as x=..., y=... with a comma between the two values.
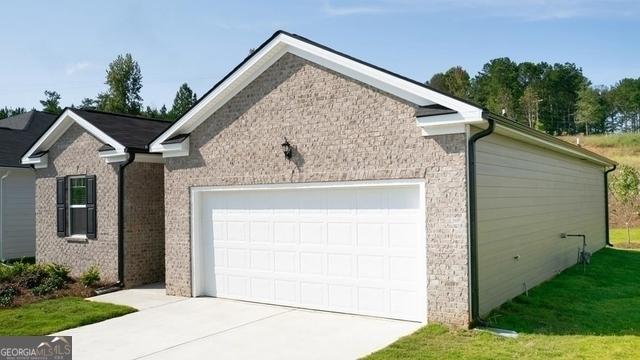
x=168, y=327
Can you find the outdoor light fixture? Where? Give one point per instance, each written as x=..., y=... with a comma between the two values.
x=286, y=149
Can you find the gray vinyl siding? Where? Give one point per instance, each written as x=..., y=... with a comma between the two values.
x=527, y=196
x=18, y=223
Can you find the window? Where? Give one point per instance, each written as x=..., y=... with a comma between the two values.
x=77, y=206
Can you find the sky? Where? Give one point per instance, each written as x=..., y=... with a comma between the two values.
x=66, y=45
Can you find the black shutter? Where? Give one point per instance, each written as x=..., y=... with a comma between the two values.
x=61, y=205
x=91, y=207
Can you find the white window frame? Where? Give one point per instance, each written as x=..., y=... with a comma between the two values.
x=70, y=206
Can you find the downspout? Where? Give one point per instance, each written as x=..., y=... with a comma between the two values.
x=606, y=204
x=2, y=214
x=123, y=165
x=473, y=222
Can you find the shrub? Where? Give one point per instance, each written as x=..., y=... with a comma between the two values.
x=49, y=285
x=32, y=276
x=57, y=271
x=7, y=294
x=90, y=277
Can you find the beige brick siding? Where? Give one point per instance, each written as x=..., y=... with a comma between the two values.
x=341, y=130
x=76, y=153
x=143, y=223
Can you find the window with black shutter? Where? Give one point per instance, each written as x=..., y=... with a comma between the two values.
x=76, y=206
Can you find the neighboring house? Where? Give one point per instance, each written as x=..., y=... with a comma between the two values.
x=17, y=183
x=309, y=178
x=99, y=196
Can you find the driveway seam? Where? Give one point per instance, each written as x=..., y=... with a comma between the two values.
x=215, y=333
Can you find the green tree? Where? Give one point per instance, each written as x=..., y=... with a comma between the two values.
x=625, y=101
x=455, y=81
x=590, y=111
x=51, y=102
x=88, y=104
x=625, y=187
x=154, y=113
x=8, y=112
x=559, y=89
x=497, y=87
x=184, y=100
x=530, y=105
x=124, y=79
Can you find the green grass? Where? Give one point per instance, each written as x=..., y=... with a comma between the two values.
x=49, y=316
x=577, y=315
x=623, y=148
x=618, y=238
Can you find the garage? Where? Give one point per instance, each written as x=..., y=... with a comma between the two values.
x=356, y=247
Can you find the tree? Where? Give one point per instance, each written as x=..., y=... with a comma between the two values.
x=8, y=112
x=625, y=187
x=529, y=105
x=455, y=81
x=625, y=101
x=497, y=87
x=559, y=86
x=154, y=113
x=184, y=100
x=590, y=111
x=51, y=103
x=124, y=79
x=88, y=104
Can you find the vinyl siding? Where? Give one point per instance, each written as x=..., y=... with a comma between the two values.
x=18, y=230
x=527, y=196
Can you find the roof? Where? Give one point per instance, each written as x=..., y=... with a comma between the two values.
x=19, y=132
x=133, y=132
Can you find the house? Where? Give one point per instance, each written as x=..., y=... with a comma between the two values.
x=17, y=183
x=309, y=178
x=100, y=196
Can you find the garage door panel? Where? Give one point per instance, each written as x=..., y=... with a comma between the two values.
x=355, y=250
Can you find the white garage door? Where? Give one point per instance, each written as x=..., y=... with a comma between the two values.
x=354, y=249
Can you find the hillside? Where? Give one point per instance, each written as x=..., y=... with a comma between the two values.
x=623, y=148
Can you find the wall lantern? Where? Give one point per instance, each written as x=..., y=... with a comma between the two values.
x=286, y=149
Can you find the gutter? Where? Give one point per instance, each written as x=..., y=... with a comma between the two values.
x=132, y=156
x=2, y=213
x=473, y=222
x=606, y=204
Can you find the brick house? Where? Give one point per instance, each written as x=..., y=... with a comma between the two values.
x=308, y=178
x=99, y=196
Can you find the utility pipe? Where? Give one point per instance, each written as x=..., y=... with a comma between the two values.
x=473, y=222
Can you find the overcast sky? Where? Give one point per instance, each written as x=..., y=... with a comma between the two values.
x=66, y=45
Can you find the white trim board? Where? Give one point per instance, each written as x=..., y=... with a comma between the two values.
x=275, y=49
x=62, y=124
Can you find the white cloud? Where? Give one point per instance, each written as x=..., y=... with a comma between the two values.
x=530, y=10
x=77, y=67
x=347, y=10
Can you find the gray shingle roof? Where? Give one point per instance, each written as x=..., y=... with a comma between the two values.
x=133, y=132
x=18, y=133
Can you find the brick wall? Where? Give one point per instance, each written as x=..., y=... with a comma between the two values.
x=143, y=223
x=76, y=153
x=341, y=130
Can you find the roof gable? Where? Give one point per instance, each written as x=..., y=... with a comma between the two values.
x=121, y=133
x=282, y=43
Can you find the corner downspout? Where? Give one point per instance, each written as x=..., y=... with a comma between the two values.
x=132, y=157
x=606, y=204
x=2, y=214
x=473, y=222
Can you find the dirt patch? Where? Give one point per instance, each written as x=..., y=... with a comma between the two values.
x=71, y=288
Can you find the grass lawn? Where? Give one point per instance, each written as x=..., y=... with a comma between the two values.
x=577, y=315
x=618, y=238
x=49, y=316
